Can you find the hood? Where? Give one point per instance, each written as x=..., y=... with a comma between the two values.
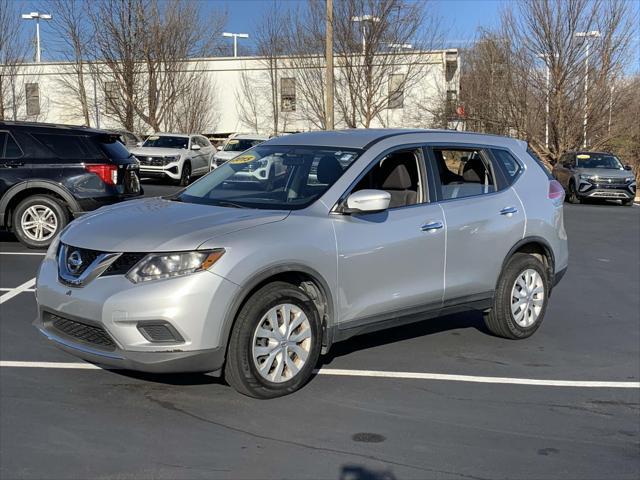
x=605, y=172
x=156, y=151
x=223, y=155
x=159, y=225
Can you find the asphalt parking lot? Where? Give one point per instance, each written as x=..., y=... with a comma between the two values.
x=534, y=419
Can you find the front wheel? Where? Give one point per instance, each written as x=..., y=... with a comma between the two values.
x=573, y=194
x=628, y=203
x=185, y=176
x=275, y=342
x=521, y=298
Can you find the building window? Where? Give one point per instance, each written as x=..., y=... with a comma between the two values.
x=288, y=94
x=33, y=99
x=396, y=91
x=111, y=97
x=452, y=103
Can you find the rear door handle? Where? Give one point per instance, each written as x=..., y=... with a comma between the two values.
x=431, y=226
x=508, y=211
x=11, y=164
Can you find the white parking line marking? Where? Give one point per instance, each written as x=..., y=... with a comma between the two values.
x=380, y=374
x=475, y=379
x=22, y=288
x=23, y=253
x=25, y=290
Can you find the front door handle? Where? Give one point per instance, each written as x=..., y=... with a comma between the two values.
x=431, y=226
x=508, y=211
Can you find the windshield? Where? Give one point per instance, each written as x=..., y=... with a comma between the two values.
x=598, y=160
x=167, y=142
x=272, y=177
x=240, y=144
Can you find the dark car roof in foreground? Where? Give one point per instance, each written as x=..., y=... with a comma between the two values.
x=365, y=137
x=52, y=127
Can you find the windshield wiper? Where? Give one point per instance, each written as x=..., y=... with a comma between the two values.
x=225, y=203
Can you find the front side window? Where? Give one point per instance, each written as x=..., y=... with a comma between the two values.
x=463, y=173
x=166, y=141
x=598, y=160
x=272, y=177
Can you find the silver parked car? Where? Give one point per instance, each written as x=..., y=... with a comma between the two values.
x=366, y=229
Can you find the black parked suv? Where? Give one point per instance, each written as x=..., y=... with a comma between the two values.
x=52, y=173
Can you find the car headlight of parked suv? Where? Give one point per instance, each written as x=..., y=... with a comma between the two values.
x=171, y=159
x=156, y=266
x=588, y=177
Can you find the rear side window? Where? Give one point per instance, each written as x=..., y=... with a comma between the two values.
x=69, y=147
x=8, y=146
x=111, y=147
x=508, y=163
x=463, y=173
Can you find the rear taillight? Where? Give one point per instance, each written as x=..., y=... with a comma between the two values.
x=556, y=191
x=107, y=173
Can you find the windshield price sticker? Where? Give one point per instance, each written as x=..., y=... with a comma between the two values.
x=243, y=159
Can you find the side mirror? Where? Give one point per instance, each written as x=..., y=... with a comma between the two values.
x=220, y=147
x=367, y=201
x=138, y=144
x=195, y=147
x=628, y=167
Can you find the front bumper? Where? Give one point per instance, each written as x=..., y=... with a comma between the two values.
x=193, y=306
x=171, y=170
x=608, y=191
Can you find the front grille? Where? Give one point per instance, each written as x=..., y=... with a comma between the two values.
x=124, y=263
x=86, y=257
x=91, y=334
x=152, y=161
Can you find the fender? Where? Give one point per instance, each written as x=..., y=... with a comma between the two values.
x=545, y=245
x=256, y=279
x=43, y=184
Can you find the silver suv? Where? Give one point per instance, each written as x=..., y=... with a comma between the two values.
x=366, y=229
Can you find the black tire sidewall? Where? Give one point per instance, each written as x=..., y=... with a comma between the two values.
x=49, y=201
x=248, y=320
x=573, y=194
x=516, y=265
x=184, y=181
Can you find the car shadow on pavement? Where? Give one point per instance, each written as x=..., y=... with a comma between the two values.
x=454, y=321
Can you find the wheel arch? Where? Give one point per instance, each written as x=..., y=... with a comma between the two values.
x=19, y=192
x=538, y=247
x=304, y=277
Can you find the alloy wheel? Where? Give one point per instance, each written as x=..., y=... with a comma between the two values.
x=281, y=343
x=527, y=298
x=39, y=223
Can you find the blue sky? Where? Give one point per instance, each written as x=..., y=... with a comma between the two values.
x=460, y=18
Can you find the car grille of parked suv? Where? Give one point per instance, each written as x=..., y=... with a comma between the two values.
x=83, y=332
x=120, y=266
x=152, y=161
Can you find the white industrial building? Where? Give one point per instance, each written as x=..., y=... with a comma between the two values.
x=44, y=92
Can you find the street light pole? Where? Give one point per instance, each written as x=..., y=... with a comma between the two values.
x=329, y=116
x=362, y=19
x=586, y=36
x=546, y=57
x=235, y=40
x=37, y=16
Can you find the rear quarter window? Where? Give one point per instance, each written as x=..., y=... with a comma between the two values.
x=507, y=162
x=70, y=147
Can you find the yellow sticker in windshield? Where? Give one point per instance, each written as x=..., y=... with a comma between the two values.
x=583, y=156
x=233, y=142
x=243, y=159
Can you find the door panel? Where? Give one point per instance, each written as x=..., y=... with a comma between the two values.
x=387, y=262
x=14, y=168
x=480, y=233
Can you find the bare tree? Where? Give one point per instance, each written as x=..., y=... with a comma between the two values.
x=13, y=50
x=249, y=103
x=73, y=37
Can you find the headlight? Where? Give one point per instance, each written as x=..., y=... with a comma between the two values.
x=173, y=158
x=629, y=179
x=588, y=177
x=156, y=266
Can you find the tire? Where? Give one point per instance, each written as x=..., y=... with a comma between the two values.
x=504, y=322
x=241, y=368
x=628, y=203
x=185, y=175
x=572, y=197
x=43, y=207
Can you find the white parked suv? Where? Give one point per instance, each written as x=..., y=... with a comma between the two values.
x=178, y=157
x=234, y=146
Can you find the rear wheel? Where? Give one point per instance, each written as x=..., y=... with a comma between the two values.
x=573, y=194
x=521, y=298
x=275, y=343
x=38, y=219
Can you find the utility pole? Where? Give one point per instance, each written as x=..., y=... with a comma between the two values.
x=586, y=36
x=37, y=16
x=329, y=117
